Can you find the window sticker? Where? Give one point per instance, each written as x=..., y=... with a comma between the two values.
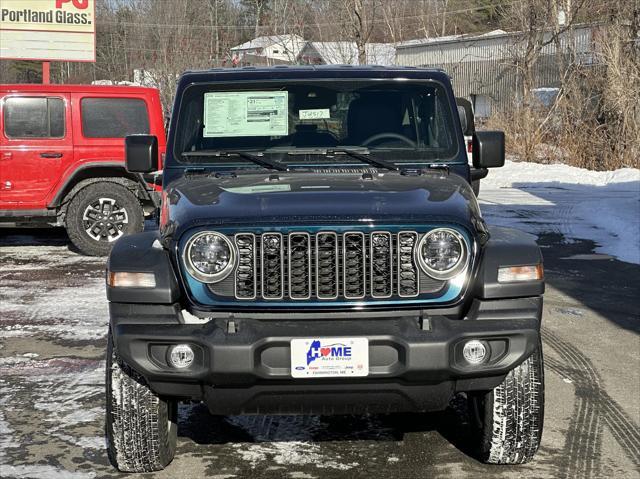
x=317, y=114
x=255, y=113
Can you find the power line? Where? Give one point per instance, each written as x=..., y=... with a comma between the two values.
x=252, y=27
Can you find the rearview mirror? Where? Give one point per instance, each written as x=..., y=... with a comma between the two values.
x=488, y=149
x=141, y=153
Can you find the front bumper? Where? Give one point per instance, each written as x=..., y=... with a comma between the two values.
x=415, y=358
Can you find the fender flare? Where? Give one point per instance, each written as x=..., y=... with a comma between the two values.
x=143, y=253
x=81, y=177
x=507, y=247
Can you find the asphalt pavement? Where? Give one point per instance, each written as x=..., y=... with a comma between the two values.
x=53, y=324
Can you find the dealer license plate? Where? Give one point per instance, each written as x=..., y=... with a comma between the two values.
x=329, y=357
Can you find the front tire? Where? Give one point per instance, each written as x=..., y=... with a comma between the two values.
x=141, y=427
x=509, y=418
x=101, y=213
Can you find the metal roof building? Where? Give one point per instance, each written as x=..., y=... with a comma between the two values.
x=482, y=67
x=346, y=53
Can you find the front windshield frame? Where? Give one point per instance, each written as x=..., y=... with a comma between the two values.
x=289, y=156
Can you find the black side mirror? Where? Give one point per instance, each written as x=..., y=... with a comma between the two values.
x=141, y=153
x=465, y=112
x=488, y=149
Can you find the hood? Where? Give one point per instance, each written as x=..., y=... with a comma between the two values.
x=318, y=198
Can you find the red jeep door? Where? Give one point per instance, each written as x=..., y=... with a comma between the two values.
x=36, y=144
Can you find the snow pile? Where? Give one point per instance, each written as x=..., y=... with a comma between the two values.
x=603, y=207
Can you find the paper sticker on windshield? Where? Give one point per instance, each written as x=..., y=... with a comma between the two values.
x=317, y=114
x=255, y=113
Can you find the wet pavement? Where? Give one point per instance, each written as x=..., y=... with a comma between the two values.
x=53, y=324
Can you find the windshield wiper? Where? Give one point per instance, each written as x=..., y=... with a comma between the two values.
x=258, y=160
x=365, y=158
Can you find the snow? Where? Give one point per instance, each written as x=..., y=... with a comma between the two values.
x=296, y=453
x=38, y=471
x=603, y=207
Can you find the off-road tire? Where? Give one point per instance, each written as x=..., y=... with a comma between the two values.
x=510, y=418
x=141, y=427
x=74, y=222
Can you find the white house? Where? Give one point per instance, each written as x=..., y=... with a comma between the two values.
x=272, y=49
x=346, y=53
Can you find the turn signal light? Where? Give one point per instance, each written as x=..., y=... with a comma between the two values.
x=131, y=280
x=514, y=274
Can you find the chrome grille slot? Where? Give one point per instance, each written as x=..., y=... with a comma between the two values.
x=245, y=279
x=408, y=274
x=299, y=252
x=327, y=265
x=381, y=264
x=272, y=270
x=353, y=265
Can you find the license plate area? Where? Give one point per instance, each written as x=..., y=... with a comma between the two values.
x=329, y=357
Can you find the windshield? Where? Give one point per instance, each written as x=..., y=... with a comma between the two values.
x=309, y=122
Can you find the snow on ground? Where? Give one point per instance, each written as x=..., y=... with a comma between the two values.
x=603, y=207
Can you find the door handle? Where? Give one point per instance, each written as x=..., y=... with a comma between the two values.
x=51, y=154
x=6, y=155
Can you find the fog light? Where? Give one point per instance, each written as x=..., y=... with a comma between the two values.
x=181, y=356
x=474, y=351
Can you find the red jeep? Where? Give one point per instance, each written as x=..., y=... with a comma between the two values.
x=62, y=160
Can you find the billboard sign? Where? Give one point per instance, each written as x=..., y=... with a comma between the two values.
x=48, y=30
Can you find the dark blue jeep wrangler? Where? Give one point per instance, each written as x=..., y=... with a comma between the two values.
x=320, y=251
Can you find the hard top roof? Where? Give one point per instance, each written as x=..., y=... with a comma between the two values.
x=70, y=88
x=290, y=72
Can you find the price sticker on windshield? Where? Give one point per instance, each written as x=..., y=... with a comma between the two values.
x=317, y=114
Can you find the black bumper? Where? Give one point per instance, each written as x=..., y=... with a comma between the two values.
x=415, y=360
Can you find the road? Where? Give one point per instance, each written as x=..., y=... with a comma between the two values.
x=53, y=321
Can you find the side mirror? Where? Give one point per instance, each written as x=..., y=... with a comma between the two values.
x=488, y=149
x=141, y=153
x=465, y=112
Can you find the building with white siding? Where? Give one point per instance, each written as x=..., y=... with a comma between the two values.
x=269, y=50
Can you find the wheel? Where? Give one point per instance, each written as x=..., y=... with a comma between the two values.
x=101, y=213
x=141, y=427
x=509, y=418
x=475, y=186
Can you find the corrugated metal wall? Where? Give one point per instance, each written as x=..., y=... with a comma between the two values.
x=484, y=65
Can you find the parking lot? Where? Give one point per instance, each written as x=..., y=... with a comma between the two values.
x=53, y=324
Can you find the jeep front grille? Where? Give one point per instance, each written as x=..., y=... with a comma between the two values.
x=300, y=266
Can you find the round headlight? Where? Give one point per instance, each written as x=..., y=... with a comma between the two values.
x=209, y=257
x=442, y=253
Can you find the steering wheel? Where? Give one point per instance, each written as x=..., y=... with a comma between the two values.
x=395, y=136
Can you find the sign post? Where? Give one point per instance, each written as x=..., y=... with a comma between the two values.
x=48, y=30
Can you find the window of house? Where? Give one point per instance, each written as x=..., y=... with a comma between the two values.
x=113, y=117
x=30, y=117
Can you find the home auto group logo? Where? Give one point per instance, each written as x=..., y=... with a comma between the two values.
x=332, y=351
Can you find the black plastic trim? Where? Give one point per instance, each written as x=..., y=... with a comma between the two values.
x=507, y=247
x=143, y=253
x=477, y=174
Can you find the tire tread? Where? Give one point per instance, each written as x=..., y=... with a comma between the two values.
x=139, y=436
x=514, y=414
